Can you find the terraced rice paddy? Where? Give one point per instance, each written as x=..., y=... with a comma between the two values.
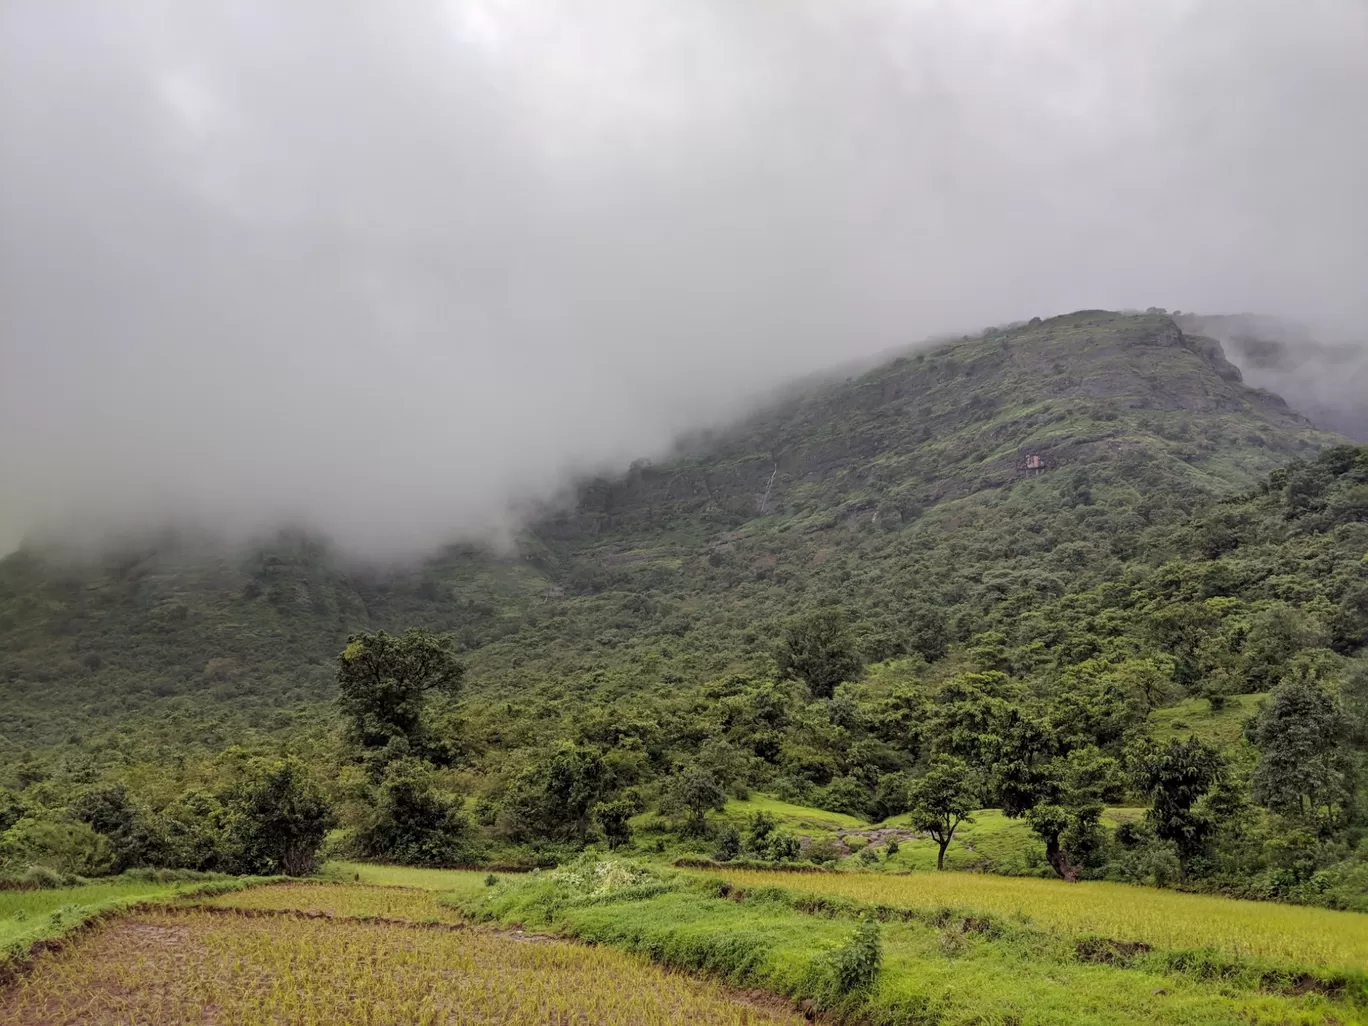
x=30, y=916
x=399, y=903
x=212, y=965
x=1167, y=919
x=449, y=881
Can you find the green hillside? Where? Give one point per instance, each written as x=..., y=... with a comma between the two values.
x=1032, y=558
x=672, y=570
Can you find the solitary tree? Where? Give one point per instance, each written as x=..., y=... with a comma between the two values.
x=817, y=649
x=695, y=792
x=384, y=680
x=941, y=801
x=1176, y=776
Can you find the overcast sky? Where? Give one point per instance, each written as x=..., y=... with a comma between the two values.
x=383, y=268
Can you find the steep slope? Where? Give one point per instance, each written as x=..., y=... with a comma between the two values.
x=939, y=484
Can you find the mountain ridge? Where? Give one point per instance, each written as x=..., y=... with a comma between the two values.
x=919, y=443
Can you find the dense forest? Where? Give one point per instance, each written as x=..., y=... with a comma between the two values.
x=1071, y=571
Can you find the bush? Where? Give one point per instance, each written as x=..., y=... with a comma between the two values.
x=413, y=823
x=784, y=847
x=278, y=820
x=822, y=852
x=855, y=967
x=61, y=846
x=728, y=844
x=613, y=819
x=137, y=836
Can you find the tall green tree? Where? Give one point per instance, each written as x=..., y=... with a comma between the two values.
x=817, y=648
x=694, y=792
x=384, y=680
x=941, y=800
x=1176, y=776
x=1306, y=767
x=279, y=817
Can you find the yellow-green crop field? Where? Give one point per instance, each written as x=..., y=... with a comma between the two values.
x=196, y=966
x=361, y=902
x=1166, y=919
x=450, y=881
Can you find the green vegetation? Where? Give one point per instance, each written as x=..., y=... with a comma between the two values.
x=989, y=591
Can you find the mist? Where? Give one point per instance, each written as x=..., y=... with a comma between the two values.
x=390, y=271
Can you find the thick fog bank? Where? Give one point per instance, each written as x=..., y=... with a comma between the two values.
x=390, y=272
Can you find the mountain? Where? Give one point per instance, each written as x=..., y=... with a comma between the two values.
x=1033, y=456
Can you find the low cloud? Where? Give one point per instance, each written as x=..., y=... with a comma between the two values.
x=386, y=273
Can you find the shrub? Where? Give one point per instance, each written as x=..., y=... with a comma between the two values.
x=613, y=819
x=728, y=844
x=414, y=823
x=62, y=846
x=784, y=847
x=855, y=967
x=279, y=819
x=822, y=852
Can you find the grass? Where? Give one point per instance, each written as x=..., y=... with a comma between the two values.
x=991, y=843
x=1167, y=919
x=183, y=966
x=27, y=917
x=1194, y=716
x=948, y=970
x=798, y=819
x=449, y=880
